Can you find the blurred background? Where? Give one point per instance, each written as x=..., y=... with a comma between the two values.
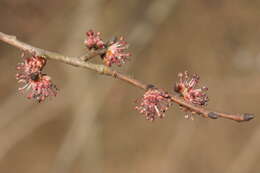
x=91, y=125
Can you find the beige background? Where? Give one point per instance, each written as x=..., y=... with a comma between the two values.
x=91, y=125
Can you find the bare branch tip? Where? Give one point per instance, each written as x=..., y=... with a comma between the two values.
x=248, y=117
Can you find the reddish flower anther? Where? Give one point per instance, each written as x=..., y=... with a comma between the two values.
x=186, y=87
x=37, y=86
x=93, y=40
x=33, y=64
x=116, y=52
x=154, y=104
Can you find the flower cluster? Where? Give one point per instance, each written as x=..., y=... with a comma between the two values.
x=38, y=85
x=154, y=104
x=186, y=87
x=116, y=52
x=116, y=49
x=31, y=64
x=93, y=40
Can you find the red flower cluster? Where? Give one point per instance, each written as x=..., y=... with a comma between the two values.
x=38, y=86
x=31, y=65
x=116, y=52
x=186, y=87
x=116, y=49
x=154, y=104
x=93, y=40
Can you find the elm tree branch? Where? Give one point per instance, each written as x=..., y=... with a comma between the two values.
x=104, y=70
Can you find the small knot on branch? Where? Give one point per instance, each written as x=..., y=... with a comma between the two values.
x=213, y=115
x=150, y=86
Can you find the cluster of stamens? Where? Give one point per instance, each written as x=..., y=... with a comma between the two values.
x=36, y=84
x=153, y=104
x=93, y=40
x=186, y=87
x=116, y=52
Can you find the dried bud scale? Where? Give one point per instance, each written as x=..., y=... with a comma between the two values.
x=189, y=115
x=154, y=104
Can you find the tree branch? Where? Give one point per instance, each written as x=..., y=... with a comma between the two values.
x=104, y=70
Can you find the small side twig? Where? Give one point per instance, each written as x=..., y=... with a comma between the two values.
x=104, y=70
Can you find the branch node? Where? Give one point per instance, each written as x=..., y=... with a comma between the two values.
x=114, y=74
x=150, y=86
x=213, y=115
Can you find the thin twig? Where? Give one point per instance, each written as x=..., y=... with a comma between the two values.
x=104, y=70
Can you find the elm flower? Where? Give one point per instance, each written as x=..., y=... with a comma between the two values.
x=116, y=52
x=186, y=87
x=154, y=104
x=37, y=86
x=33, y=64
x=93, y=40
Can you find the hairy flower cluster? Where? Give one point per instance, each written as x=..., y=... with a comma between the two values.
x=93, y=40
x=31, y=64
x=186, y=87
x=116, y=52
x=38, y=85
x=154, y=104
